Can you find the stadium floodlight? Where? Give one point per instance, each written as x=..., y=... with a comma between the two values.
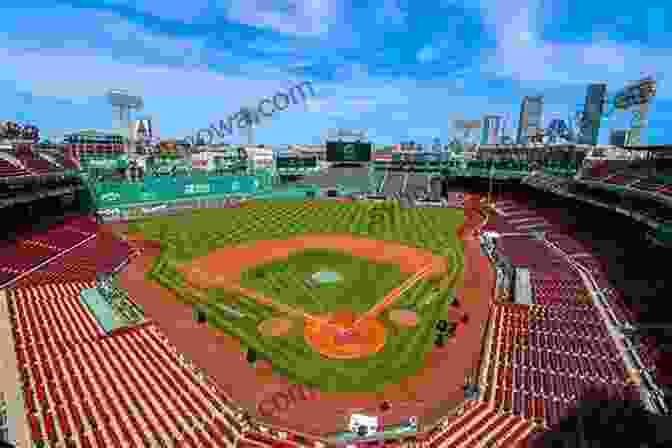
x=122, y=103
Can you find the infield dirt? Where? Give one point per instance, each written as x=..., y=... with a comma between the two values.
x=223, y=266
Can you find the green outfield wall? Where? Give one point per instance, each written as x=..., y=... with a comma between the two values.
x=170, y=188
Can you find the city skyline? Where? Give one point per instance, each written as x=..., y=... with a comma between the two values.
x=402, y=71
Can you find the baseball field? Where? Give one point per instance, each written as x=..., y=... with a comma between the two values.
x=266, y=272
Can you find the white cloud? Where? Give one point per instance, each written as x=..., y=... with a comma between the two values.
x=90, y=32
x=96, y=73
x=300, y=17
x=423, y=133
x=427, y=54
x=435, y=50
x=188, y=12
x=523, y=55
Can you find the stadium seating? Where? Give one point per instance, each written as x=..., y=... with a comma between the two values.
x=101, y=254
x=547, y=358
x=8, y=169
x=132, y=388
x=36, y=164
x=567, y=244
x=636, y=175
x=550, y=289
x=620, y=179
x=529, y=252
x=36, y=247
x=478, y=424
x=545, y=181
x=72, y=374
x=63, y=160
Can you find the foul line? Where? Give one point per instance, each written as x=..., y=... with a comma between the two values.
x=49, y=260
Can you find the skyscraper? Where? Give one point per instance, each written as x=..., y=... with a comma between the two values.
x=619, y=137
x=530, y=117
x=592, y=113
x=492, y=126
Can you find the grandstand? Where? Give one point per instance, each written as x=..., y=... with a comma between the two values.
x=417, y=184
x=576, y=246
x=348, y=179
x=436, y=191
x=394, y=184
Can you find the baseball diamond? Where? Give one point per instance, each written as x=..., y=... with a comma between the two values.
x=355, y=335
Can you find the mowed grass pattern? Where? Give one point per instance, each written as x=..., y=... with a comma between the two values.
x=364, y=282
x=194, y=234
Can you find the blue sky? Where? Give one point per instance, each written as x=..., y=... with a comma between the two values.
x=400, y=69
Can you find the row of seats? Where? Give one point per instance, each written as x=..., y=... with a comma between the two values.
x=19, y=256
x=552, y=409
x=545, y=181
x=562, y=289
x=36, y=164
x=61, y=317
x=567, y=244
x=35, y=247
x=64, y=160
x=480, y=422
x=558, y=338
x=631, y=177
x=613, y=296
x=60, y=238
x=101, y=254
x=540, y=375
x=580, y=313
x=620, y=179
x=647, y=352
x=74, y=375
x=8, y=169
x=526, y=251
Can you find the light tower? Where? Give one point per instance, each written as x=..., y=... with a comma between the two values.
x=250, y=115
x=122, y=103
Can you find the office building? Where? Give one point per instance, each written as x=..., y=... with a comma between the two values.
x=491, y=130
x=530, y=120
x=619, y=137
x=592, y=113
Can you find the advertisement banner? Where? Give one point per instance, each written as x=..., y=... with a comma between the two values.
x=196, y=188
x=199, y=163
x=103, y=164
x=110, y=194
x=349, y=152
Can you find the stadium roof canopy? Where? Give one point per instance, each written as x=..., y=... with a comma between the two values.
x=94, y=132
x=539, y=147
x=651, y=148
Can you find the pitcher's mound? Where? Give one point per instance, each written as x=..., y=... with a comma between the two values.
x=275, y=326
x=404, y=318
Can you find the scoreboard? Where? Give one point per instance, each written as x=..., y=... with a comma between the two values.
x=348, y=152
x=296, y=162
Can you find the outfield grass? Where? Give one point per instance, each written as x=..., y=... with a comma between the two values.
x=196, y=233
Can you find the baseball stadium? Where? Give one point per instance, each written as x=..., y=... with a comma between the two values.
x=369, y=297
